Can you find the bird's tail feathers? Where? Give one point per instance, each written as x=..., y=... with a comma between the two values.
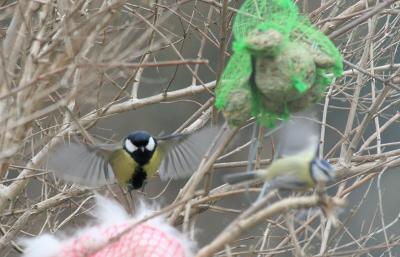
x=240, y=177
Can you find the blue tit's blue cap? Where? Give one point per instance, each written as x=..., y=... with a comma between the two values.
x=324, y=164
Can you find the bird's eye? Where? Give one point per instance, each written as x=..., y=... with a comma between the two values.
x=129, y=146
x=151, y=144
x=325, y=165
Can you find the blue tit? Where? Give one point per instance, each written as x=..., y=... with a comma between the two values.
x=132, y=161
x=299, y=166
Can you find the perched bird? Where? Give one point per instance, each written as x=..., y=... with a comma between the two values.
x=298, y=166
x=131, y=162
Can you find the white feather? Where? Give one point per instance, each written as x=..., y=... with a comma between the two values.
x=42, y=246
x=108, y=211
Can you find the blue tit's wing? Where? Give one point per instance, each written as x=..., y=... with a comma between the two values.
x=240, y=177
x=83, y=164
x=287, y=182
x=182, y=153
x=299, y=135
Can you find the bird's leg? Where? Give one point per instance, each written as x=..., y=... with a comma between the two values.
x=131, y=201
x=265, y=189
x=143, y=187
x=252, y=156
x=321, y=192
x=127, y=193
x=129, y=187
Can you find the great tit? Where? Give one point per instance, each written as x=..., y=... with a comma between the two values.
x=131, y=162
x=298, y=167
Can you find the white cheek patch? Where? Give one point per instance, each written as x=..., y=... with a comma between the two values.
x=319, y=175
x=151, y=144
x=129, y=146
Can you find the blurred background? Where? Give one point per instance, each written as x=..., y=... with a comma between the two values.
x=119, y=66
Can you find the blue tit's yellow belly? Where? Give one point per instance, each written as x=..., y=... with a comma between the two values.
x=297, y=167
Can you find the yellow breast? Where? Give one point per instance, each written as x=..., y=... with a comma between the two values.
x=293, y=166
x=152, y=166
x=123, y=166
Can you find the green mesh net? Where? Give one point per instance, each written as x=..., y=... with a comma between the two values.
x=281, y=63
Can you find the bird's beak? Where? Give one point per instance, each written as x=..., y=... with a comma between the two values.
x=142, y=148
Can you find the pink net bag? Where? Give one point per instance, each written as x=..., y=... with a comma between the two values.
x=144, y=240
x=115, y=236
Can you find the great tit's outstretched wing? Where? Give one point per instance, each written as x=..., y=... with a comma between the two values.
x=81, y=163
x=183, y=152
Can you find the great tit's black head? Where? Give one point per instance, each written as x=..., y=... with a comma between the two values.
x=140, y=145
